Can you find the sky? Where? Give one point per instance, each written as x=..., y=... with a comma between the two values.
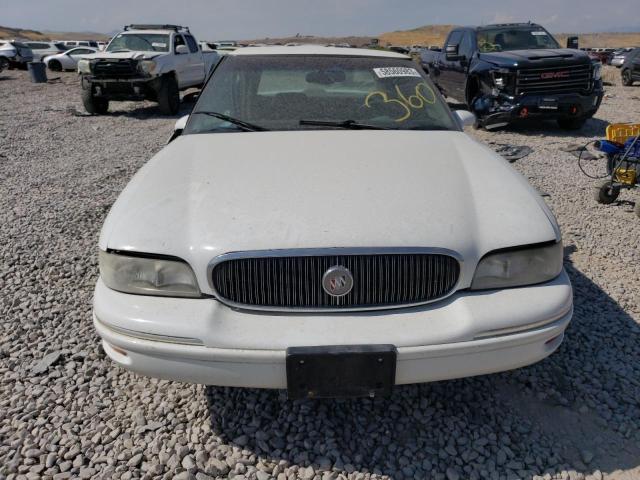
x=250, y=19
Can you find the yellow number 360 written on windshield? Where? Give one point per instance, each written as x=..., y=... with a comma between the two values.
x=423, y=96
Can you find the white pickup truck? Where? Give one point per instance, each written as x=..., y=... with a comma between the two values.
x=145, y=62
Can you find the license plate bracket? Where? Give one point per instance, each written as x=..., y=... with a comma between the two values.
x=341, y=371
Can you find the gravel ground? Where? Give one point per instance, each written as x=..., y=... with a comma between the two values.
x=66, y=411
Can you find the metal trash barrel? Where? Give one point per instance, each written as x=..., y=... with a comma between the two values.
x=38, y=72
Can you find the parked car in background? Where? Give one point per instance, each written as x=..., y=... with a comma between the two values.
x=44, y=49
x=619, y=56
x=508, y=72
x=68, y=60
x=145, y=62
x=202, y=278
x=631, y=68
x=80, y=43
x=15, y=54
x=226, y=44
x=603, y=55
x=399, y=49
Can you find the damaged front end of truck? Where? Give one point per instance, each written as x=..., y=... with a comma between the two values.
x=569, y=94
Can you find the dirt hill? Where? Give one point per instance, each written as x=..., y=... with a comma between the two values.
x=19, y=33
x=26, y=34
x=426, y=35
x=436, y=35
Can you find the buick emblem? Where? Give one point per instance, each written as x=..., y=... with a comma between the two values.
x=337, y=281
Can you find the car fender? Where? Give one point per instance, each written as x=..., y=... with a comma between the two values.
x=479, y=72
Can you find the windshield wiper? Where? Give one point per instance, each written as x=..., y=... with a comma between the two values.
x=349, y=124
x=119, y=50
x=246, y=126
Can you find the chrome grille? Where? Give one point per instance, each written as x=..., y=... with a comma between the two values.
x=381, y=280
x=561, y=79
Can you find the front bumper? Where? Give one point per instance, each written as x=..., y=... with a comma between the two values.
x=569, y=105
x=129, y=88
x=203, y=341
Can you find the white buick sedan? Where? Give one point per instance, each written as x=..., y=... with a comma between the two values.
x=321, y=223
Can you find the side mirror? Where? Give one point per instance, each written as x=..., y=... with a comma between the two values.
x=572, y=42
x=181, y=50
x=451, y=52
x=178, y=128
x=465, y=118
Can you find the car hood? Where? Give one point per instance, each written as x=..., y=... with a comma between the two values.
x=126, y=55
x=208, y=194
x=536, y=58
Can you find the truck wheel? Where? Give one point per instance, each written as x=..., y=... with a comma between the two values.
x=571, y=123
x=55, y=66
x=169, y=96
x=627, y=78
x=606, y=193
x=93, y=105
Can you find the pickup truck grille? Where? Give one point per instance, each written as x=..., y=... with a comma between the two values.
x=121, y=68
x=295, y=282
x=562, y=79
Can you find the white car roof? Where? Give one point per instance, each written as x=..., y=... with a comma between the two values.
x=316, y=50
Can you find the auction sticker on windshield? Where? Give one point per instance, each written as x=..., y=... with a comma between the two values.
x=392, y=72
x=539, y=33
x=159, y=44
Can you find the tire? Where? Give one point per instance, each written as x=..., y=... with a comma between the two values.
x=571, y=123
x=55, y=66
x=637, y=208
x=606, y=193
x=169, y=96
x=93, y=105
x=627, y=78
x=4, y=63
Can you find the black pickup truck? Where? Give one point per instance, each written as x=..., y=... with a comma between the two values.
x=516, y=71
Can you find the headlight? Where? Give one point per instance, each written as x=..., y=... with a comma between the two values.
x=148, y=276
x=501, y=78
x=84, y=66
x=147, y=66
x=515, y=268
x=597, y=71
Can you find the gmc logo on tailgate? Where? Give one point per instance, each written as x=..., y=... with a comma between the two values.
x=550, y=75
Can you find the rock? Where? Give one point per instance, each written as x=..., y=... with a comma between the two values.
x=242, y=440
x=306, y=473
x=188, y=462
x=586, y=456
x=202, y=476
x=87, y=472
x=46, y=361
x=33, y=453
x=260, y=475
x=452, y=474
x=185, y=475
x=135, y=460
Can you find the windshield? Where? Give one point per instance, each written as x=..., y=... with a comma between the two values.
x=139, y=42
x=514, y=38
x=311, y=92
